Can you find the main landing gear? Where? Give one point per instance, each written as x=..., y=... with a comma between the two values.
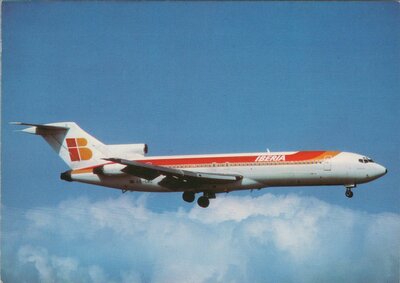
x=203, y=201
x=188, y=196
x=349, y=192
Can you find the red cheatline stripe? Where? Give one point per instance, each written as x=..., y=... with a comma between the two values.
x=200, y=160
x=298, y=156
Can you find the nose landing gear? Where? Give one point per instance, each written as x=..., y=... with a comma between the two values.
x=349, y=192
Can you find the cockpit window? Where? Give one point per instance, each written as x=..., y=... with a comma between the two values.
x=365, y=160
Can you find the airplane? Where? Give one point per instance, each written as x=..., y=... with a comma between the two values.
x=126, y=166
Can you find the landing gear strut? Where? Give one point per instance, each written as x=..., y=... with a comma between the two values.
x=188, y=196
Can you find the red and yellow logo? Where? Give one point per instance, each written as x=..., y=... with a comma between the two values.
x=78, y=150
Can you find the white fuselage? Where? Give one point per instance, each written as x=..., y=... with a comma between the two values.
x=126, y=167
x=259, y=170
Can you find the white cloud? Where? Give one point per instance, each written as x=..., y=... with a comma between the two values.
x=39, y=257
x=237, y=239
x=96, y=274
x=52, y=268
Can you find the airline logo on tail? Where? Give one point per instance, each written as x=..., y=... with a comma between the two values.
x=78, y=150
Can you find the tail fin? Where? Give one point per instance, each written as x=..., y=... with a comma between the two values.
x=76, y=147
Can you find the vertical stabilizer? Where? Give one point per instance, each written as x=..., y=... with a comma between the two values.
x=75, y=146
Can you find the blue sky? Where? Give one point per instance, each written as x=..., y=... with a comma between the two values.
x=201, y=78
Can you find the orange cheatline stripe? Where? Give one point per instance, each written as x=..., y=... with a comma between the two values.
x=298, y=156
x=200, y=160
x=294, y=157
x=303, y=155
x=81, y=171
x=326, y=155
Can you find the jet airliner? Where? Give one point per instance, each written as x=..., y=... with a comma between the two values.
x=126, y=166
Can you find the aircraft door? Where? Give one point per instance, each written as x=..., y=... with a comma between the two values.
x=327, y=164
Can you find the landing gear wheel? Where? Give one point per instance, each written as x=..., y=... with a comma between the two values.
x=349, y=193
x=203, y=202
x=188, y=196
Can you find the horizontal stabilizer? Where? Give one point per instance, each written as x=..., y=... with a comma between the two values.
x=35, y=128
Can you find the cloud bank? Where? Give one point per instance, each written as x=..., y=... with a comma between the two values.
x=237, y=239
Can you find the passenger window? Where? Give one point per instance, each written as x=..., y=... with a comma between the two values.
x=361, y=160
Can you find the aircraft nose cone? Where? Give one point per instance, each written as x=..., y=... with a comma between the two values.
x=380, y=171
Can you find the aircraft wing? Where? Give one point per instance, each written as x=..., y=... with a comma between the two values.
x=174, y=177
